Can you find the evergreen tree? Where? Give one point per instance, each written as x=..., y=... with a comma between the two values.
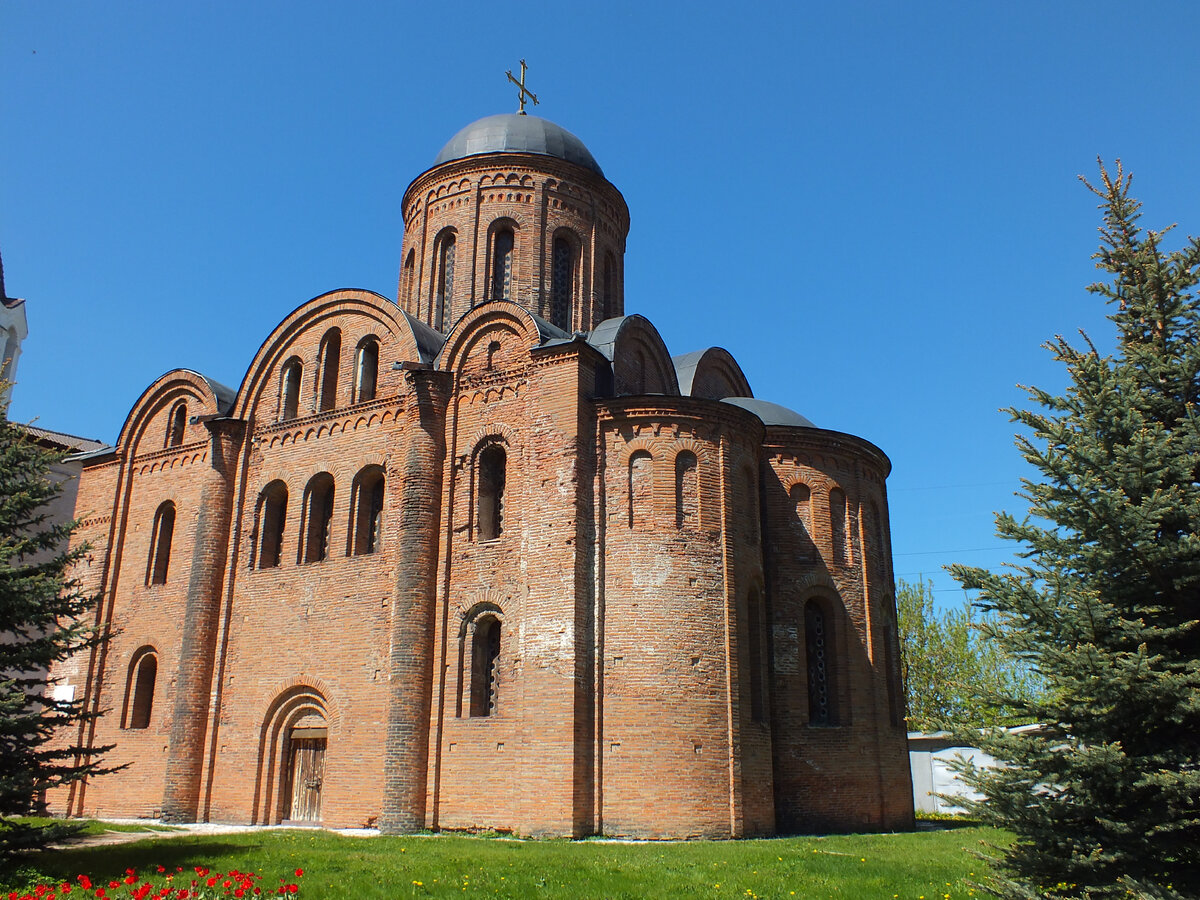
x=954, y=676
x=43, y=620
x=1104, y=798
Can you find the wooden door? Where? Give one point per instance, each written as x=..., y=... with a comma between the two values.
x=307, y=769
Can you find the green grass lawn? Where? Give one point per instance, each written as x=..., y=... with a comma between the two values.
x=934, y=865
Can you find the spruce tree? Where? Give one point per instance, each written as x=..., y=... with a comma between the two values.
x=1104, y=797
x=44, y=618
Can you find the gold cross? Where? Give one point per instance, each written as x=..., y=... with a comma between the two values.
x=522, y=91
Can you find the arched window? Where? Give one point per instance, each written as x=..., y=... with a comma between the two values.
x=610, y=286
x=758, y=662
x=367, y=514
x=485, y=666
x=366, y=369
x=837, y=526
x=640, y=489
x=891, y=645
x=503, y=242
x=561, y=279
x=328, y=362
x=801, y=497
x=406, y=278
x=318, y=512
x=160, y=544
x=443, y=310
x=686, y=490
x=489, y=492
x=753, y=523
x=139, y=688
x=272, y=515
x=175, y=424
x=818, y=653
x=289, y=391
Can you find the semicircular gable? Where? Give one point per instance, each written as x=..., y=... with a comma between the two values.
x=146, y=427
x=508, y=324
x=712, y=374
x=402, y=339
x=640, y=361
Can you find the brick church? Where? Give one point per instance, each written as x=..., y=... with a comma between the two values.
x=489, y=556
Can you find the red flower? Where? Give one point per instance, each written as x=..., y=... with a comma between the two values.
x=299, y=873
x=84, y=882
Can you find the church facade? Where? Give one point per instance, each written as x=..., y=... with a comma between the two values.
x=488, y=556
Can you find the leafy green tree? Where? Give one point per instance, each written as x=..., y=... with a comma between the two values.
x=955, y=676
x=1104, y=798
x=43, y=619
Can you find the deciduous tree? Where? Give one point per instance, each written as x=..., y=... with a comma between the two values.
x=954, y=675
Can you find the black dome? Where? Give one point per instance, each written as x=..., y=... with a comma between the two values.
x=515, y=133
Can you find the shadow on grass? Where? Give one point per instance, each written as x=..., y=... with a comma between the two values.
x=108, y=862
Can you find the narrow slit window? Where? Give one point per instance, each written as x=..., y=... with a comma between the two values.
x=410, y=268
x=610, y=286
x=318, y=513
x=272, y=517
x=686, y=490
x=503, y=242
x=368, y=511
x=640, y=489
x=444, y=308
x=331, y=351
x=818, y=651
x=837, y=526
x=366, y=370
x=485, y=666
x=562, y=277
x=489, y=505
x=289, y=402
x=140, y=692
x=176, y=424
x=160, y=544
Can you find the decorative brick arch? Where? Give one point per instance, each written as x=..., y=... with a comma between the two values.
x=147, y=421
x=402, y=337
x=293, y=701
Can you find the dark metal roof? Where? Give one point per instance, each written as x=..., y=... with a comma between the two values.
x=770, y=413
x=515, y=133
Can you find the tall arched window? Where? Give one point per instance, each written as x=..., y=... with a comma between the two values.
x=318, y=512
x=758, y=662
x=328, y=362
x=443, y=310
x=175, y=424
x=289, y=390
x=272, y=514
x=753, y=522
x=489, y=492
x=687, y=490
x=139, y=688
x=485, y=666
x=367, y=525
x=818, y=652
x=641, y=488
x=406, y=278
x=561, y=279
x=837, y=526
x=801, y=497
x=160, y=544
x=503, y=242
x=610, y=286
x=366, y=369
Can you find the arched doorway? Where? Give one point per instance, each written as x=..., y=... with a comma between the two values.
x=304, y=769
x=290, y=785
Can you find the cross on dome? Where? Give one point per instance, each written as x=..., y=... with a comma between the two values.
x=522, y=91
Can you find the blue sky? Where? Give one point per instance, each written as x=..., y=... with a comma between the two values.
x=873, y=206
